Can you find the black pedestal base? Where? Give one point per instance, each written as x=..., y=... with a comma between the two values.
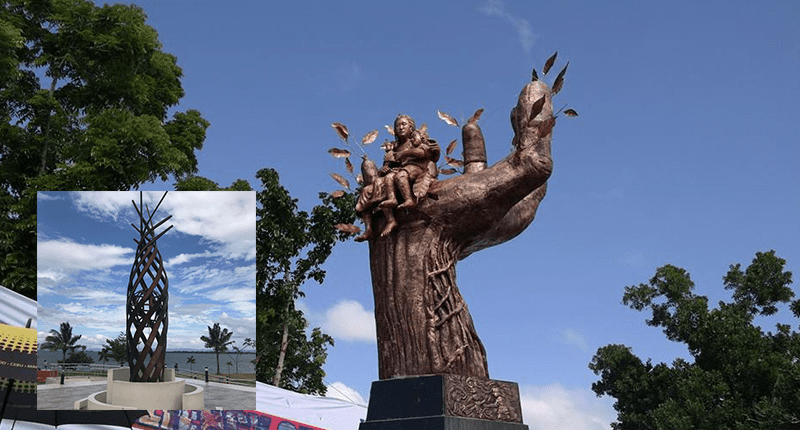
x=443, y=402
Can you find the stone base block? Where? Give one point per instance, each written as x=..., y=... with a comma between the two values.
x=443, y=402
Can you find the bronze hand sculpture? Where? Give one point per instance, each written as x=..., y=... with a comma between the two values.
x=423, y=324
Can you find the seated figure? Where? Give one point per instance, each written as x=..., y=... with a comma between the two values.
x=410, y=164
x=409, y=167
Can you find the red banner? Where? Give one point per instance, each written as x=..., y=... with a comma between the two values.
x=232, y=420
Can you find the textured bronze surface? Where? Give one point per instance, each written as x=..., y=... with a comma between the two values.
x=146, y=316
x=486, y=399
x=423, y=324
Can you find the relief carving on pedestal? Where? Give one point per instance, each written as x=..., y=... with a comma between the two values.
x=472, y=397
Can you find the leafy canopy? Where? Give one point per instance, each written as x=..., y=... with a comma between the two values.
x=291, y=247
x=78, y=357
x=85, y=93
x=199, y=183
x=741, y=377
x=116, y=349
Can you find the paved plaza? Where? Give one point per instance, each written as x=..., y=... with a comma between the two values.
x=215, y=395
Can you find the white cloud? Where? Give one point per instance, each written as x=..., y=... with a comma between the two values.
x=96, y=296
x=107, y=319
x=57, y=257
x=40, y=196
x=574, y=338
x=521, y=26
x=239, y=299
x=197, y=279
x=552, y=406
x=98, y=341
x=225, y=218
x=107, y=204
x=187, y=315
x=348, y=320
x=43, y=286
x=184, y=258
x=338, y=390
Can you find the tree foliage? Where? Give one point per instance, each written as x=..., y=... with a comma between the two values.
x=116, y=349
x=78, y=357
x=741, y=377
x=291, y=246
x=62, y=340
x=85, y=93
x=199, y=183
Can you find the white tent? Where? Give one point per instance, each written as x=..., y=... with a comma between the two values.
x=324, y=412
x=15, y=309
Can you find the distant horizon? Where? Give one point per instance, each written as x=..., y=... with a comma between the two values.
x=206, y=358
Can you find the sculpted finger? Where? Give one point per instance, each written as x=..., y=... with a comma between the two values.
x=474, y=148
x=534, y=107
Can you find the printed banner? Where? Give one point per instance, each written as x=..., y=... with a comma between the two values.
x=229, y=420
x=17, y=367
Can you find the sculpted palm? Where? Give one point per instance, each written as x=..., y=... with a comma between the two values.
x=218, y=339
x=63, y=340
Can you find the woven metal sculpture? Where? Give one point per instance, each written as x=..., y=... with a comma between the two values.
x=147, y=318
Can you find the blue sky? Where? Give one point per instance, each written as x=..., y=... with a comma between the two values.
x=685, y=152
x=85, y=252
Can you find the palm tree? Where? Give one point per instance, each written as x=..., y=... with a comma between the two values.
x=63, y=340
x=190, y=361
x=218, y=339
x=104, y=354
x=229, y=368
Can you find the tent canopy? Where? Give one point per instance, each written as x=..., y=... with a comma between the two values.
x=324, y=412
x=16, y=309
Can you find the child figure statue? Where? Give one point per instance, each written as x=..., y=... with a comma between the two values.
x=372, y=194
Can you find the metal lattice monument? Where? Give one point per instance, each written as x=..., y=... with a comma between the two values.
x=146, y=316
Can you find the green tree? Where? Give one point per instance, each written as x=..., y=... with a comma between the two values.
x=78, y=357
x=199, y=183
x=291, y=247
x=191, y=361
x=63, y=340
x=117, y=349
x=741, y=377
x=84, y=96
x=238, y=352
x=218, y=339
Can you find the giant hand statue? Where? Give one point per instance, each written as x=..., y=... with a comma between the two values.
x=423, y=324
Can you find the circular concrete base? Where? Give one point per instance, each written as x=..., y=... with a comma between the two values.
x=190, y=398
x=123, y=394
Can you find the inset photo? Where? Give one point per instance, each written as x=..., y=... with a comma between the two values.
x=146, y=300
